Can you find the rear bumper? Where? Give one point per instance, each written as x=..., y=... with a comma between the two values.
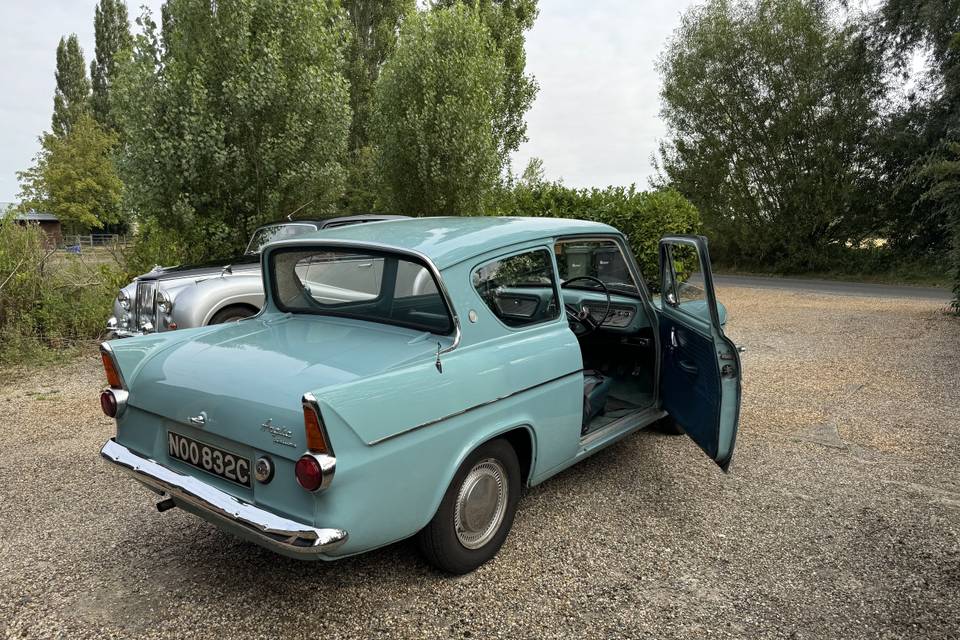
x=289, y=537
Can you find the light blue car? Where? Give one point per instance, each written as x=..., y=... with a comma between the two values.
x=410, y=377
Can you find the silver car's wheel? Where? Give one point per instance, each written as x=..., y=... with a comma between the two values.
x=481, y=503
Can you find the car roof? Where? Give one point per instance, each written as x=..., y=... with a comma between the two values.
x=450, y=240
x=339, y=220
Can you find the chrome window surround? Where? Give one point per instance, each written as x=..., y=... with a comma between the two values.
x=328, y=460
x=368, y=246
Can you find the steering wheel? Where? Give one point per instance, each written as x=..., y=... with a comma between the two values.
x=582, y=317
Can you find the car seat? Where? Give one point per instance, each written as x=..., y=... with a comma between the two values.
x=596, y=388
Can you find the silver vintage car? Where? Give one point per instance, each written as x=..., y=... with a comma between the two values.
x=179, y=297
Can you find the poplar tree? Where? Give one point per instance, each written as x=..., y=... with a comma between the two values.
x=112, y=36
x=71, y=98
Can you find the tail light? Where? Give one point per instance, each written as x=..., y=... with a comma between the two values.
x=314, y=470
x=110, y=368
x=313, y=425
x=113, y=400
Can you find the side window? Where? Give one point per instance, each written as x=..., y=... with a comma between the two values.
x=520, y=290
x=683, y=280
x=413, y=280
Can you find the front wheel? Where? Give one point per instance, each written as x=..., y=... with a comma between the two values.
x=476, y=512
x=232, y=314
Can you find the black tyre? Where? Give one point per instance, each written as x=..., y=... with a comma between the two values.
x=477, y=510
x=231, y=314
x=668, y=426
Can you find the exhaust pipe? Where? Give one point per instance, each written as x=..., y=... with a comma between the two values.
x=166, y=505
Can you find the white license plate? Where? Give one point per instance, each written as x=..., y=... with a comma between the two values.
x=210, y=459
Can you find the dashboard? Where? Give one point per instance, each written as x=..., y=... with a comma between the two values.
x=625, y=315
x=518, y=306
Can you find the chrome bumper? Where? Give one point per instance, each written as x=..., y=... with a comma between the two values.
x=275, y=532
x=115, y=332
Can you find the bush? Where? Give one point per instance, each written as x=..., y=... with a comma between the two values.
x=643, y=216
x=49, y=301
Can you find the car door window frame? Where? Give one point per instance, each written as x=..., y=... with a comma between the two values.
x=554, y=283
x=666, y=258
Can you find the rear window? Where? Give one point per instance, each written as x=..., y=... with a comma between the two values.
x=366, y=285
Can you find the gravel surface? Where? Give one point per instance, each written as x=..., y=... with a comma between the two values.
x=840, y=517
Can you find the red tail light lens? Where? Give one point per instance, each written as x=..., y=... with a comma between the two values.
x=309, y=474
x=108, y=402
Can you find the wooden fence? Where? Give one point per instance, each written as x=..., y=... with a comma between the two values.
x=77, y=243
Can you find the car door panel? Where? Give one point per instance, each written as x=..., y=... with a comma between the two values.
x=699, y=364
x=689, y=373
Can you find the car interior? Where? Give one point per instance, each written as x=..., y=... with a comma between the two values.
x=605, y=309
x=606, y=313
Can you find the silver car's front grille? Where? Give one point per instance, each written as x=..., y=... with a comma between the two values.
x=145, y=313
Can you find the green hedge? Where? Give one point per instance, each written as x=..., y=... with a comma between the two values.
x=48, y=300
x=643, y=216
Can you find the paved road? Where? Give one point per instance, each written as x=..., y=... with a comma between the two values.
x=835, y=287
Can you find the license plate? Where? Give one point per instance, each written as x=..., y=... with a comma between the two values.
x=228, y=466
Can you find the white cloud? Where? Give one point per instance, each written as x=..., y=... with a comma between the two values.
x=595, y=121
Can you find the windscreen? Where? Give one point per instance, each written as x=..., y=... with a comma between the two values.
x=373, y=286
x=263, y=235
x=600, y=259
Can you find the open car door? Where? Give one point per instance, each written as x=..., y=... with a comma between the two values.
x=699, y=365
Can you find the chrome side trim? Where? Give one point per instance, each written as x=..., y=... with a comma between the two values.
x=473, y=408
x=108, y=351
x=372, y=246
x=266, y=528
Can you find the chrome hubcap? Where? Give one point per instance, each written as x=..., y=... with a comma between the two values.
x=481, y=504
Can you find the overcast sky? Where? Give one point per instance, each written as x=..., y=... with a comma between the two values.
x=594, y=121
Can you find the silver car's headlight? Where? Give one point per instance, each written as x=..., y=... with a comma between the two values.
x=164, y=302
x=124, y=300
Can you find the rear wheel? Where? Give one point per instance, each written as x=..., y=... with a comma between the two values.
x=231, y=314
x=476, y=512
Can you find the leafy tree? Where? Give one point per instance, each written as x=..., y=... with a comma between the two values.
x=374, y=26
x=928, y=173
x=112, y=36
x=943, y=174
x=72, y=96
x=439, y=105
x=234, y=113
x=769, y=106
x=507, y=21
x=74, y=178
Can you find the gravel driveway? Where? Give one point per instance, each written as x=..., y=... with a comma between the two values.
x=840, y=517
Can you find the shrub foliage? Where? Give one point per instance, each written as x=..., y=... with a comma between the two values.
x=644, y=216
x=48, y=299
